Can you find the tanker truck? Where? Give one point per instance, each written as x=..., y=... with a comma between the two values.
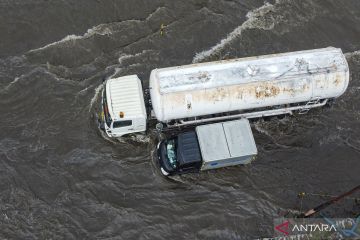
x=225, y=90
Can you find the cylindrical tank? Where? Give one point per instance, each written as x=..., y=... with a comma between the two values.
x=248, y=83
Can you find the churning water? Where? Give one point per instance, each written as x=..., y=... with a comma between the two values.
x=60, y=179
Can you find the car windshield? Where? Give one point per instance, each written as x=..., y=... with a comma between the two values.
x=171, y=152
x=107, y=116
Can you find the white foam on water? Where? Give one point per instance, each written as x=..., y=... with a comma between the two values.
x=141, y=138
x=124, y=57
x=65, y=39
x=96, y=30
x=154, y=12
x=82, y=92
x=37, y=69
x=260, y=129
x=117, y=70
x=134, y=137
x=101, y=29
x=253, y=21
x=12, y=82
x=177, y=178
x=352, y=54
x=93, y=99
x=106, y=137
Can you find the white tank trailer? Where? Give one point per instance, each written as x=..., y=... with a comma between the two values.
x=240, y=88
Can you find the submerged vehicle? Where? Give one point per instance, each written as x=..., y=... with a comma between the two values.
x=231, y=89
x=208, y=147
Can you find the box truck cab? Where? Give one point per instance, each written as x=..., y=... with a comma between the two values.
x=208, y=147
x=123, y=107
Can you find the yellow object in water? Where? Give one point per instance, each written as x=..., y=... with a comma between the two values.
x=162, y=29
x=301, y=194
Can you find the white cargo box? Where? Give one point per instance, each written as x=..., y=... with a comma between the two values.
x=226, y=144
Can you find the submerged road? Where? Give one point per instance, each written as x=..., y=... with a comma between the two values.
x=60, y=179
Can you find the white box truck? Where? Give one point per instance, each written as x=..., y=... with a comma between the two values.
x=232, y=89
x=208, y=147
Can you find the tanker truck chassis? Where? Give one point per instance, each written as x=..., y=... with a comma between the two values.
x=301, y=108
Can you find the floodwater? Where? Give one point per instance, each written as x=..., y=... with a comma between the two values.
x=60, y=179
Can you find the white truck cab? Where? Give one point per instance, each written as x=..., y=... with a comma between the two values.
x=123, y=106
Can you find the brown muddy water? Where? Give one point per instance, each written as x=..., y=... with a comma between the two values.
x=60, y=179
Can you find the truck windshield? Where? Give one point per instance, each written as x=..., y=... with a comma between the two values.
x=119, y=124
x=171, y=152
x=107, y=116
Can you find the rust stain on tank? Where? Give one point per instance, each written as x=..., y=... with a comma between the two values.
x=294, y=90
x=219, y=94
x=239, y=92
x=259, y=90
x=266, y=90
x=212, y=95
x=338, y=80
x=231, y=93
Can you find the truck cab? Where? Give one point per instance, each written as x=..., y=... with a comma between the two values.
x=123, y=106
x=179, y=154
